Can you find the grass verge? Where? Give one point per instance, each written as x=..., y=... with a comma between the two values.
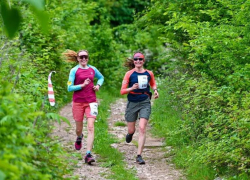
x=110, y=156
x=166, y=121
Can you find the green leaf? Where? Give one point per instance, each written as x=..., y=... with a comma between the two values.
x=54, y=116
x=2, y=175
x=43, y=19
x=11, y=19
x=4, y=119
x=65, y=120
x=38, y=4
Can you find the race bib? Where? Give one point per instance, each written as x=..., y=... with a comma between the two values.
x=93, y=109
x=142, y=81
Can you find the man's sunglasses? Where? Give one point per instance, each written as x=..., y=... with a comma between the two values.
x=140, y=59
x=84, y=56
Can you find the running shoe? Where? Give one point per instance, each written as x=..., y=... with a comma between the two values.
x=129, y=138
x=78, y=143
x=89, y=159
x=139, y=160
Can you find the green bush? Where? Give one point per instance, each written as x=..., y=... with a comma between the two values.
x=207, y=66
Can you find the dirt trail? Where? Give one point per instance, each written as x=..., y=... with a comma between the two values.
x=157, y=166
x=67, y=137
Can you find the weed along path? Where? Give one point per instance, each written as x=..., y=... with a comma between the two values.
x=157, y=166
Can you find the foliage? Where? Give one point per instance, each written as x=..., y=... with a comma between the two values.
x=25, y=62
x=119, y=123
x=12, y=18
x=25, y=152
x=208, y=72
x=118, y=12
x=200, y=47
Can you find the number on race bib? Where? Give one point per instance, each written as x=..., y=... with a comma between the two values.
x=93, y=109
x=142, y=81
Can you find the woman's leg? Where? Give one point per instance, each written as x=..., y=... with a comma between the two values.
x=131, y=127
x=78, y=113
x=131, y=131
x=78, y=142
x=77, y=109
x=142, y=134
x=90, y=138
x=79, y=126
x=91, y=133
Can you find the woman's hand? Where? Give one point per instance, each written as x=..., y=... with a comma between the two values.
x=86, y=82
x=135, y=86
x=156, y=94
x=97, y=87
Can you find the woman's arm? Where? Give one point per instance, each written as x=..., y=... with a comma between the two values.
x=125, y=82
x=153, y=84
x=71, y=86
x=99, y=76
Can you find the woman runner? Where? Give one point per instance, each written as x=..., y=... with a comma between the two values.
x=81, y=82
x=136, y=83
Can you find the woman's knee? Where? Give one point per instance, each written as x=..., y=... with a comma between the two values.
x=91, y=129
x=131, y=131
x=142, y=130
x=131, y=127
x=78, y=130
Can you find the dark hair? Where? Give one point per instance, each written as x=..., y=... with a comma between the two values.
x=129, y=63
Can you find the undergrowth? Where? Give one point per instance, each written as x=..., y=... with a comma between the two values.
x=167, y=122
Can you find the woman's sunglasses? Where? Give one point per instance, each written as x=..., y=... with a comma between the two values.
x=140, y=59
x=84, y=56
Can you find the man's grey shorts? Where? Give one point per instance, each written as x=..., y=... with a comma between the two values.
x=143, y=109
